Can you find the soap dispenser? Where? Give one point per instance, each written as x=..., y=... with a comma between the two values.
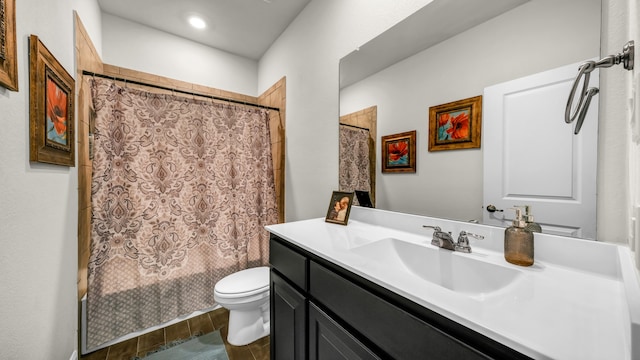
x=518, y=242
x=528, y=218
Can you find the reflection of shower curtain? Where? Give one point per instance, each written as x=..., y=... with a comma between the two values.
x=354, y=171
x=181, y=190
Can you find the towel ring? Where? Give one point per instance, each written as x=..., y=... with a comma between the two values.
x=626, y=57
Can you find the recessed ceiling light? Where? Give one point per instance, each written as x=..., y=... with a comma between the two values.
x=197, y=22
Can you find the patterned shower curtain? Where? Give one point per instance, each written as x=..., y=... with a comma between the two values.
x=355, y=173
x=181, y=191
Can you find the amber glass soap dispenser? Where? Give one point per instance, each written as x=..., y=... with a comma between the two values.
x=518, y=242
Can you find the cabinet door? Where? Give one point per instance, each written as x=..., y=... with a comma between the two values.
x=330, y=341
x=288, y=316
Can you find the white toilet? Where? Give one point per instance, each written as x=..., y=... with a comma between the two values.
x=246, y=295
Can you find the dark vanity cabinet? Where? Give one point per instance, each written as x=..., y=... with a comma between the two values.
x=320, y=311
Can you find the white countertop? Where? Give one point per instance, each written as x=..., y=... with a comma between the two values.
x=580, y=300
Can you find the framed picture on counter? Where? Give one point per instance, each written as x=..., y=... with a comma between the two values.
x=339, y=207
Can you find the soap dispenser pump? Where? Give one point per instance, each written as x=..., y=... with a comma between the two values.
x=528, y=218
x=518, y=242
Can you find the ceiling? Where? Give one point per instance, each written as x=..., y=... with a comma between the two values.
x=426, y=27
x=242, y=27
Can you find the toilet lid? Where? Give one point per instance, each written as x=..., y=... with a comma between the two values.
x=246, y=282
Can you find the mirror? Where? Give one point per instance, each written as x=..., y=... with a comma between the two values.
x=468, y=46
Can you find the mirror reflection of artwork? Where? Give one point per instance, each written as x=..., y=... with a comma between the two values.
x=56, y=100
x=399, y=152
x=455, y=125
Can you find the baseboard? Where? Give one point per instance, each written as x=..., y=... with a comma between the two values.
x=74, y=355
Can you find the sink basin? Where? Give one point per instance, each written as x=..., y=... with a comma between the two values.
x=455, y=271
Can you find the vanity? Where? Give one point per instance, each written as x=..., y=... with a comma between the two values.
x=378, y=289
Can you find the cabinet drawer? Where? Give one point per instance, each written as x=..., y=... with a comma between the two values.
x=289, y=263
x=398, y=333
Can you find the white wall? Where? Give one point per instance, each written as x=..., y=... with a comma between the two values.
x=634, y=163
x=307, y=53
x=90, y=14
x=619, y=138
x=134, y=46
x=38, y=206
x=515, y=44
x=614, y=197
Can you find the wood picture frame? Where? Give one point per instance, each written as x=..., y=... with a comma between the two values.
x=8, y=50
x=455, y=125
x=399, y=153
x=51, y=108
x=339, y=207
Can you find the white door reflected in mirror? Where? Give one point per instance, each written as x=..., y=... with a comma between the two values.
x=532, y=157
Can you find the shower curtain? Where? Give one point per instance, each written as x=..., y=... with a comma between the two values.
x=355, y=173
x=181, y=191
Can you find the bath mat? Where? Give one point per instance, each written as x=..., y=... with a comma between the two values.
x=205, y=347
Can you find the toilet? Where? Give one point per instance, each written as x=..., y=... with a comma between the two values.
x=246, y=295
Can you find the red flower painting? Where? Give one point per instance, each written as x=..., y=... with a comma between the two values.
x=453, y=125
x=56, y=109
x=398, y=152
x=444, y=119
x=459, y=126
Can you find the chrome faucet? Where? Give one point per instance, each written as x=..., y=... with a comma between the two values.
x=440, y=238
x=444, y=240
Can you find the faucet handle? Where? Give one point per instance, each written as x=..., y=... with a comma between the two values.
x=463, y=241
x=435, y=228
x=436, y=239
x=475, y=236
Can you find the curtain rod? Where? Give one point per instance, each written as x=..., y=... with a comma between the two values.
x=85, y=72
x=353, y=126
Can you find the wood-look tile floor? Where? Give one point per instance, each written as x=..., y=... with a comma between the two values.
x=215, y=320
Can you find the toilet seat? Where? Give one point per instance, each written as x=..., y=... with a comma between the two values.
x=244, y=283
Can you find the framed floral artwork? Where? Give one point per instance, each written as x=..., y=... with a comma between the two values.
x=339, y=207
x=51, y=108
x=8, y=52
x=399, y=152
x=455, y=125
